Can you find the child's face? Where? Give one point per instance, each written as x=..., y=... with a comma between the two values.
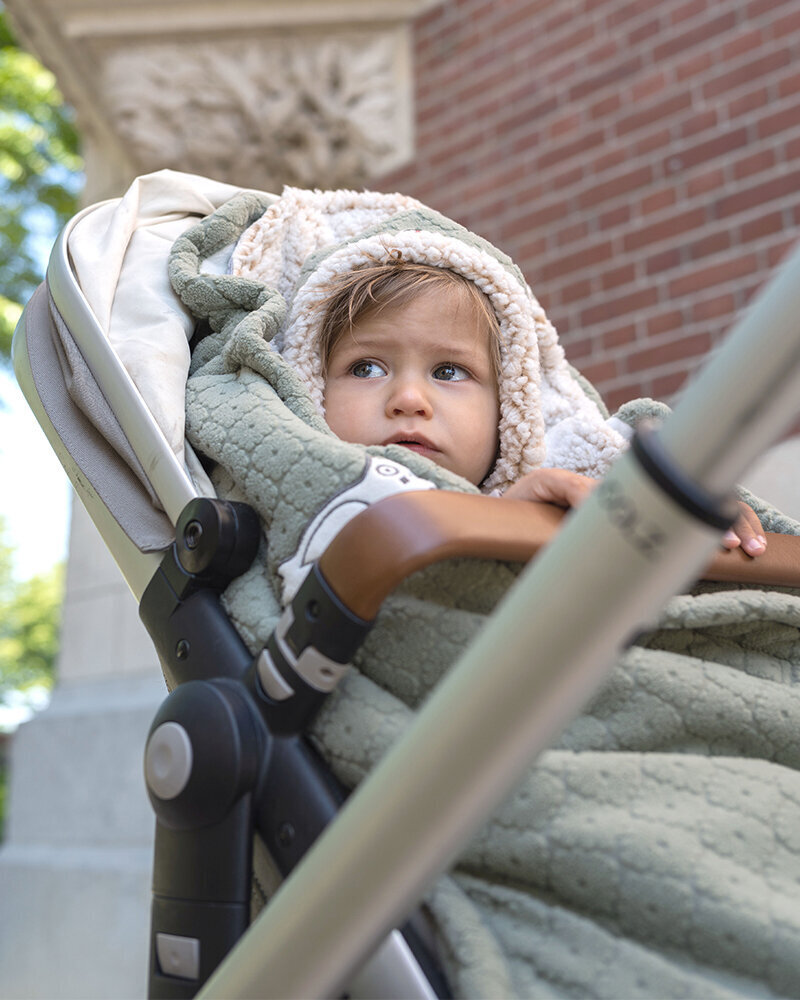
x=419, y=375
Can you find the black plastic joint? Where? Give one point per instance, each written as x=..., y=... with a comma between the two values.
x=216, y=540
x=717, y=511
x=306, y=656
x=323, y=622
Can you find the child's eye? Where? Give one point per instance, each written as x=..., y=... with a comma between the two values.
x=450, y=373
x=367, y=369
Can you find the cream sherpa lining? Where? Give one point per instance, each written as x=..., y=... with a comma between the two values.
x=307, y=238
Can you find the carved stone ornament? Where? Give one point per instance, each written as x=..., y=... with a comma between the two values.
x=267, y=111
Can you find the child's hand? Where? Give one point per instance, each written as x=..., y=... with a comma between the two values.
x=569, y=489
x=746, y=531
x=558, y=486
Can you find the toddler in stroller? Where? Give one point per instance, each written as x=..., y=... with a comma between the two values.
x=614, y=868
x=567, y=891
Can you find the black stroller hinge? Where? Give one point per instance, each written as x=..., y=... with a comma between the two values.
x=203, y=753
x=307, y=655
x=215, y=542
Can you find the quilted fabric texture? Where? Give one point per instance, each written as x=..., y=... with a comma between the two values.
x=654, y=851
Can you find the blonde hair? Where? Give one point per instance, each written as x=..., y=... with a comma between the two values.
x=372, y=288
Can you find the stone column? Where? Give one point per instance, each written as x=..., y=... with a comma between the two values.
x=256, y=93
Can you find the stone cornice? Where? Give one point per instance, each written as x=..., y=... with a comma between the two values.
x=255, y=92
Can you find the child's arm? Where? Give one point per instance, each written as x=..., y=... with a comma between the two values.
x=569, y=489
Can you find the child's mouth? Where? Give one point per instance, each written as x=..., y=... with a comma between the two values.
x=417, y=443
x=414, y=446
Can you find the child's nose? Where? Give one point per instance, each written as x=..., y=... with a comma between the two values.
x=409, y=398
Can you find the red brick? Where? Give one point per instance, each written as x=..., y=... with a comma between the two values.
x=713, y=243
x=649, y=143
x=743, y=75
x=535, y=218
x=664, y=322
x=760, y=194
x=687, y=10
x=777, y=253
x=664, y=198
x=706, y=120
x=648, y=86
x=696, y=35
x=785, y=26
x=558, y=74
x=781, y=121
x=553, y=155
x=558, y=20
x=748, y=102
x=531, y=250
x=667, y=229
x=747, y=41
x=569, y=263
x=764, y=225
x=701, y=184
x=759, y=7
x=719, y=305
x=618, y=337
x=693, y=67
x=622, y=275
x=715, y=274
x=646, y=30
x=607, y=106
x=600, y=371
x=567, y=123
x=613, y=157
x=576, y=291
x=789, y=85
x=673, y=350
x=618, y=216
x=670, y=106
x=610, y=77
x=664, y=386
x=578, y=348
x=576, y=231
x=754, y=164
x=622, y=306
x=621, y=12
x=615, y=187
x=664, y=261
x=712, y=149
x=568, y=178
x=614, y=398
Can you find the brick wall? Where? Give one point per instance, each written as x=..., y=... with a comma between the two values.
x=640, y=161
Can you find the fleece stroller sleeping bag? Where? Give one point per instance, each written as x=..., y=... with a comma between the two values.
x=654, y=850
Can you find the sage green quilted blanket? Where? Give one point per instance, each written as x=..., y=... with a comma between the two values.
x=654, y=851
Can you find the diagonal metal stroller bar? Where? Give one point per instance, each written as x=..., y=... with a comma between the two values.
x=643, y=534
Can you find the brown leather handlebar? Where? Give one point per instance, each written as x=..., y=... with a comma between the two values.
x=395, y=537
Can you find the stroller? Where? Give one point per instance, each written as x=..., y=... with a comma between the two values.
x=229, y=752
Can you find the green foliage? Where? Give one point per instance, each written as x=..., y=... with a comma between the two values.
x=30, y=612
x=39, y=173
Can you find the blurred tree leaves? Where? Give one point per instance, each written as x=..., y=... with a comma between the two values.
x=30, y=613
x=40, y=174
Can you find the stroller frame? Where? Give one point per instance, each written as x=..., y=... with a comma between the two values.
x=478, y=731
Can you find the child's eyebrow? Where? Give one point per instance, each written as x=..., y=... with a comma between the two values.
x=446, y=349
